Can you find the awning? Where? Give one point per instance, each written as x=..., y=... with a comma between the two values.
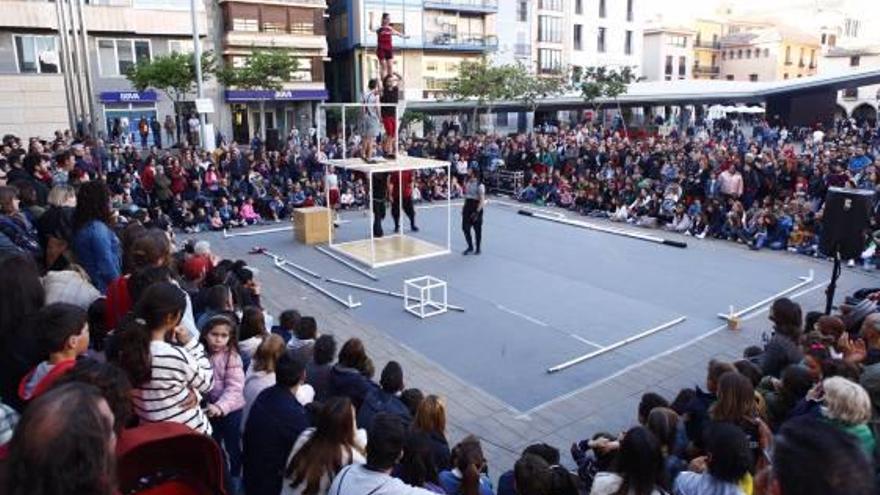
x=244, y=95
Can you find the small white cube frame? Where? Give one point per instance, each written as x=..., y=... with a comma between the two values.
x=422, y=296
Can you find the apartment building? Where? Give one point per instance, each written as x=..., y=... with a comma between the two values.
x=440, y=35
x=768, y=55
x=296, y=26
x=668, y=53
x=707, y=48
x=513, y=26
x=600, y=33
x=41, y=89
x=862, y=102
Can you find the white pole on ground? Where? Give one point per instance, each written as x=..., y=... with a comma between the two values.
x=380, y=291
x=347, y=303
x=227, y=235
x=278, y=259
x=347, y=263
x=804, y=281
x=616, y=345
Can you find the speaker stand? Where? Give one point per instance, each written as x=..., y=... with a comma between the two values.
x=832, y=286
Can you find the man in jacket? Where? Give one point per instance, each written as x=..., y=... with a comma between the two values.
x=385, y=399
x=275, y=422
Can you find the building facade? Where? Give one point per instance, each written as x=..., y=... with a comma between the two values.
x=668, y=53
x=861, y=102
x=600, y=33
x=513, y=26
x=707, y=48
x=120, y=34
x=440, y=35
x=295, y=26
x=769, y=54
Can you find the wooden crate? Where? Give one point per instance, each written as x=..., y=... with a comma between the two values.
x=310, y=225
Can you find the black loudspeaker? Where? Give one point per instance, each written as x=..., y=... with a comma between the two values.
x=845, y=221
x=272, y=140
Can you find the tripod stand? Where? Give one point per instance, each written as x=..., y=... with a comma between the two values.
x=832, y=286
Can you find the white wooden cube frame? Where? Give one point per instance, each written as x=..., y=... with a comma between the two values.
x=419, y=296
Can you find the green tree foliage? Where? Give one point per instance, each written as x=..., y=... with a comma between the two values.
x=266, y=70
x=530, y=88
x=486, y=83
x=598, y=83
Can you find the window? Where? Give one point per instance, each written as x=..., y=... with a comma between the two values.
x=851, y=93
x=813, y=58
x=851, y=27
x=739, y=54
x=578, y=7
x=788, y=55
x=522, y=11
x=36, y=54
x=431, y=67
x=550, y=29
x=549, y=61
x=748, y=54
x=501, y=119
x=629, y=10
x=679, y=41
x=668, y=69
x=600, y=40
x=757, y=52
x=602, y=10
x=628, y=43
x=274, y=19
x=766, y=52
x=180, y=46
x=723, y=55
x=832, y=40
x=729, y=77
x=855, y=60
x=682, y=68
x=753, y=77
x=785, y=76
x=550, y=5
x=578, y=30
x=116, y=57
x=801, y=58
x=824, y=38
x=303, y=72
x=245, y=24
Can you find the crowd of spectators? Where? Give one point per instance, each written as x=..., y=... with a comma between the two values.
x=129, y=364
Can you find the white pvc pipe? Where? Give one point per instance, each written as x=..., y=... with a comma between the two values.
x=616, y=345
x=347, y=263
x=347, y=303
x=381, y=291
x=227, y=235
x=804, y=281
x=279, y=259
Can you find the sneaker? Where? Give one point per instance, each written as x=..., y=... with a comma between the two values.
x=477, y=251
x=467, y=251
x=414, y=229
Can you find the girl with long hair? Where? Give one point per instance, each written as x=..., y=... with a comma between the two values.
x=417, y=466
x=322, y=451
x=736, y=405
x=430, y=418
x=226, y=399
x=467, y=478
x=95, y=244
x=252, y=333
x=639, y=467
x=23, y=296
x=165, y=364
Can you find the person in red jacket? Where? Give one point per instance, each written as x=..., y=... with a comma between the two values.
x=385, y=48
x=403, y=180
x=63, y=333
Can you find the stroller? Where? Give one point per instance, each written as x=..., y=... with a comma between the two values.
x=168, y=459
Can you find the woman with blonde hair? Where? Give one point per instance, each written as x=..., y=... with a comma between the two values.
x=431, y=419
x=261, y=374
x=847, y=406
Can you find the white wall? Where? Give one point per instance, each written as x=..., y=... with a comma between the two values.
x=615, y=23
x=866, y=94
x=32, y=105
x=657, y=47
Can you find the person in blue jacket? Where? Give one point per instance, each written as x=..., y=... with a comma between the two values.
x=349, y=377
x=95, y=244
x=386, y=398
x=275, y=422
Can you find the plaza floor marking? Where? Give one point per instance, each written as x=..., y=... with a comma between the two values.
x=526, y=415
x=523, y=316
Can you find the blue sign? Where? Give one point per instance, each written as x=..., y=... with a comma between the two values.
x=128, y=97
x=242, y=95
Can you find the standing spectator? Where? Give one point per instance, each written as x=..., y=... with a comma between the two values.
x=164, y=375
x=144, y=131
x=274, y=423
x=95, y=244
x=730, y=183
x=156, y=128
x=226, y=398
x=383, y=452
x=320, y=368
x=431, y=419
x=322, y=451
x=64, y=444
x=19, y=347
x=170, y=128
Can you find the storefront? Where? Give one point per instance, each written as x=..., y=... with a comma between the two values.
x=127, y=108
x=283, y=110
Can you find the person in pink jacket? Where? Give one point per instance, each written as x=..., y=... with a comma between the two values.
x=248, y=214
x=226, y=398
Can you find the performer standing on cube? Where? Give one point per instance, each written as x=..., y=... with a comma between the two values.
x=378, y=193
x=472, y=212
x=403, y=180
x=370, y=120
x=384, y=45
x=390, y=94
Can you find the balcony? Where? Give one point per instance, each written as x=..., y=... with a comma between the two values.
x=706, y=70
x=712, y=45
x=486, y=6
x=302, y=43
x=440, y=40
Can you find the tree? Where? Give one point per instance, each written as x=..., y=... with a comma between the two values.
x=597, y=83
x=264, y=70
x=486, y=83
x=173, y=74
x=530, y=88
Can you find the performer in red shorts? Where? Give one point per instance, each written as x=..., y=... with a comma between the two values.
x=391, y=95
x=385, y=48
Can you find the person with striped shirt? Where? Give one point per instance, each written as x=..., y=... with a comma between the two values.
x=167, y=366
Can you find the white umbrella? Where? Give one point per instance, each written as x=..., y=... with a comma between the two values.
x=756, y=109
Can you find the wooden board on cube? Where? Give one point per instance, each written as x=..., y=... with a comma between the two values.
x=389, y=250
x=310, y=225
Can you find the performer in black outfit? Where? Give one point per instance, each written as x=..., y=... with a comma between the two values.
x=379, y=191
x=472, y=213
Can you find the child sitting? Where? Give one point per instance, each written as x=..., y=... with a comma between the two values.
x=247, y=213
x=63, y=334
